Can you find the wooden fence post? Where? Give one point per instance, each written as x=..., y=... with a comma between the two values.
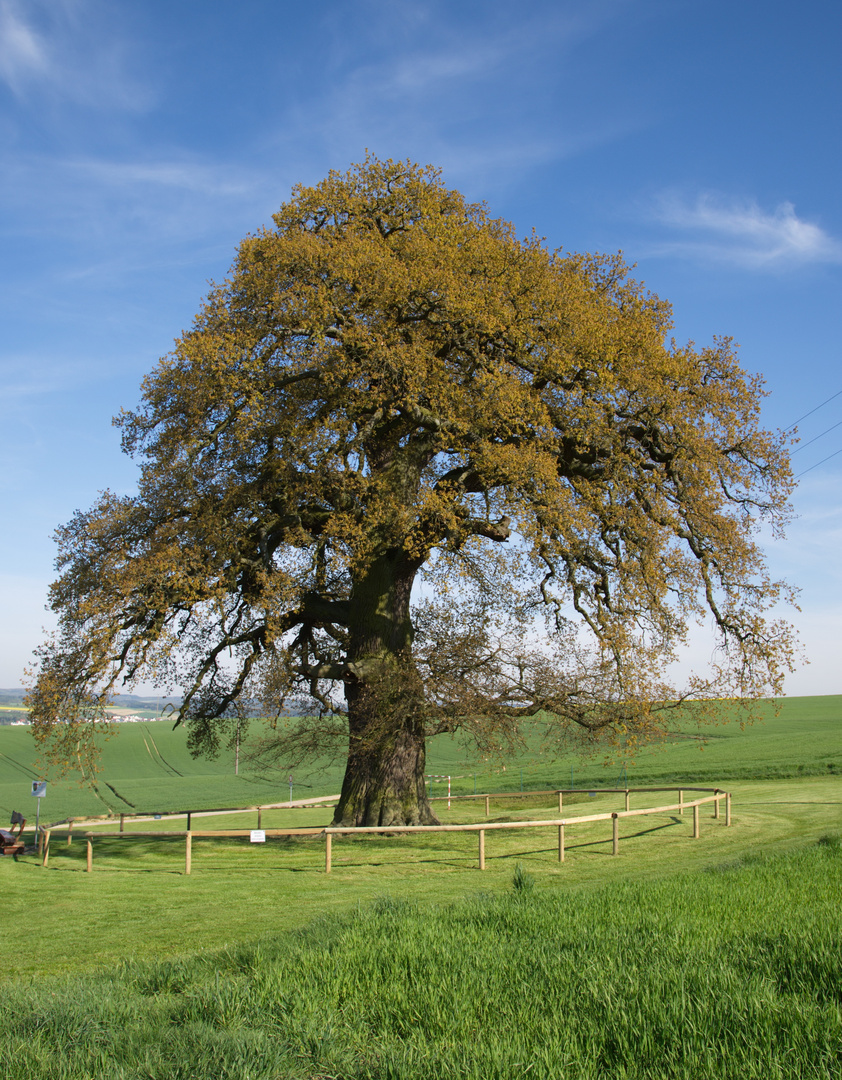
x=615, y=835
x=188, y=852
x=482, y=849
x=69, y=831
x=46, y=848
x=680, y=801
x=328, y=853
x=728, y=808
x=259, y=817
x=487, y=802
x=716, y=804
x=90, y=864
x=627, y=798
x=696, y=821
x=560, y=801
x=561, y=843
x=122, y=819
x=189, y=817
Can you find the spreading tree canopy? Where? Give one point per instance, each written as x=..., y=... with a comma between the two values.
x=408, y=473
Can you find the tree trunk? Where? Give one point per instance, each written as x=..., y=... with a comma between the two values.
x=384, y=777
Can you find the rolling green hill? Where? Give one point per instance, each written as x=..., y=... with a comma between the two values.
x=146, y=766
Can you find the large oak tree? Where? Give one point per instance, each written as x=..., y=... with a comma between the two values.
x=427, y=475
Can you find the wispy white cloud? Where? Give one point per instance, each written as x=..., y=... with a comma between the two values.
x=743, y=233
x=23, y=54
x=424, y=70
x=462, y=93
x=97, y=201
x=195, y=176
x=66, y=49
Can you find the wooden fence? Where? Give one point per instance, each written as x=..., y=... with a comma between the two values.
x=148, y=815
x=480, y=828
x=559, y=823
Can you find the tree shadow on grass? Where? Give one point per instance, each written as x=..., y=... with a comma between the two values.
x=121, y=851
x=581, y=844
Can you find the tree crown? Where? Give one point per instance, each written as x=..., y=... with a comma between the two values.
x=390, y=383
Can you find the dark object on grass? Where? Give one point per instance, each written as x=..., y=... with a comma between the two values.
x=9, y=843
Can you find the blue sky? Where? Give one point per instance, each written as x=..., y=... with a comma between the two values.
x=141, y=141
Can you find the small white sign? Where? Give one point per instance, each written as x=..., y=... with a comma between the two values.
x=39, y=788
x=258, y=836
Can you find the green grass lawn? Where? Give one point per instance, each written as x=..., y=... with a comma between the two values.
x=681, y=957
x=729, y=973
x=138, y=901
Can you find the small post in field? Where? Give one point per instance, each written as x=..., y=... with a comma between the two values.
x=680, y=801
x=696, y=821
x=482, y=849
x=40, y=840
x=69, y=831
x=561, y=843
x=259, y=817
x=716, y=804
x=728, y=808
x=328, y=853
x=487, y=803
x=189, y=818
x=90, y=862
x=560, y=801
x=122, y=820
x=615, y=835
x=627, y=798
x=188, y=852
x=46, y=848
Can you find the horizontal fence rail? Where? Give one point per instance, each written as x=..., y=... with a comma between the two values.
x=559, y=823
x=715, y=797
x=318, y=801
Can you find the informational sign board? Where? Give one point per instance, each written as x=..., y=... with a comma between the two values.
x=258, y=836
x=39, y=788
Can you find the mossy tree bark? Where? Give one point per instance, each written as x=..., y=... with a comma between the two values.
x=384, y=777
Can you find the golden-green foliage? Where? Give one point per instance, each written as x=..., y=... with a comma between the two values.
x=392, y=386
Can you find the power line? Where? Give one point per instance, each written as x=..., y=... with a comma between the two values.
x=803, y=446
x=810, y=413
x=823, y=460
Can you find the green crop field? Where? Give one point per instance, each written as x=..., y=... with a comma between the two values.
x=712, y=957
x=146, y=767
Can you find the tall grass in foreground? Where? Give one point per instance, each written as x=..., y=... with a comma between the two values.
x=718, y=974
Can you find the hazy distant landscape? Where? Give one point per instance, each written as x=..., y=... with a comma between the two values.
x=11, y=705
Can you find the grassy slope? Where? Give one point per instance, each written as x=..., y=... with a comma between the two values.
x=63, y=919
x=148, y=767
x=139, y=901
x=676, y=959
x=729, y=975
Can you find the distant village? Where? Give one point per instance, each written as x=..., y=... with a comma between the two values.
x=124, y=708
x=132, y=718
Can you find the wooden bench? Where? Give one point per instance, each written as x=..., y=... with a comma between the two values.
x=11, y=844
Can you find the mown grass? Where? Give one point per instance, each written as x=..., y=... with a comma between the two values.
x=731, y=972
x=138, y=901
